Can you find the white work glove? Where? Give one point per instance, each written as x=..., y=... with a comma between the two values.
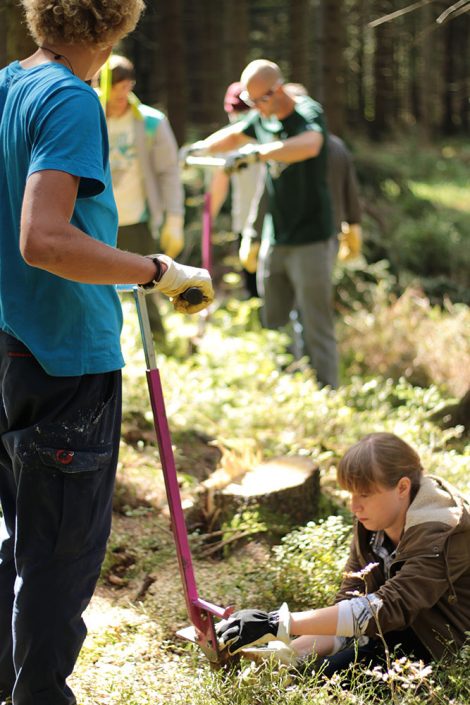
x=247, y=628
x=172, y=235
x=177, y=279
x=350, y=241
x=246, y=155
x=248, y=252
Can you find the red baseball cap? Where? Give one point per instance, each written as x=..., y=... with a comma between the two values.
x=232, y=101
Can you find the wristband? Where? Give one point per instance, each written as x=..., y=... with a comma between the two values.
x=158, y=274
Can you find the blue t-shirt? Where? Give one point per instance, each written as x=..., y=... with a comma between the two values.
x=50, y=119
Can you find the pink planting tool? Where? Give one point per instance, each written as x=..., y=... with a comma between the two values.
x=200, y=612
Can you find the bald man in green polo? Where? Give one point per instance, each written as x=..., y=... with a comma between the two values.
x=299, y=244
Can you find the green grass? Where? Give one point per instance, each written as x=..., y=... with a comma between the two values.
x=449, y=195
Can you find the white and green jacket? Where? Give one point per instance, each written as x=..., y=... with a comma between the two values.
x=157, y=152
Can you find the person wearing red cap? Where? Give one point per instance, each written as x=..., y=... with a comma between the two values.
x=247, y=187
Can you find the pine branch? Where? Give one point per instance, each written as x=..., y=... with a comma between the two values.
x=398, y=13
x=458, y=8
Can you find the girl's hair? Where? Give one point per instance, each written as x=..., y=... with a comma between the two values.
x=379, y=459
x=98, y=23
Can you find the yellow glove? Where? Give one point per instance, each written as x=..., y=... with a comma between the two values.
x=172, y=235
x=180, y=277
x=248, y=254
x=350, y=241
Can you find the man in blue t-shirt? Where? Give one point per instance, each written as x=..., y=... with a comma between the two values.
x=299, y=244
x=60, y=358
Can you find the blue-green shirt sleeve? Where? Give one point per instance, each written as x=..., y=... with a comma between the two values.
x=69, y=135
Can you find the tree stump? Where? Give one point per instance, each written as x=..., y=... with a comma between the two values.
x=288, y=486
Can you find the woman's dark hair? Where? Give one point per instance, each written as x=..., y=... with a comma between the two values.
x=379, y=459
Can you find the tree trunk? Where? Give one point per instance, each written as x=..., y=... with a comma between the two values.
x=361, y=100
x=384, y=102
x=448, y=99
x=299, y=27
x=288, y=487
x=3, y=36
x=415, y=68
x=236, y=37
x=317, y=48
x=174, y=65
x=207, y=86
x=462, y=51
x=19, y=43
x=142, y=49
x=355, y=19
x=426, y=73
x=333, y=65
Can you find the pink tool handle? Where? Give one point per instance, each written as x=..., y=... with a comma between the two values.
x=207, y=234
x=200, y=611
x=197, y=608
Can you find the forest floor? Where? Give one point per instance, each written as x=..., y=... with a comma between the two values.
x=131, y=655
x=237, y=393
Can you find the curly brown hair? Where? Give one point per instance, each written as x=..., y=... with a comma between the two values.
x=99, y=23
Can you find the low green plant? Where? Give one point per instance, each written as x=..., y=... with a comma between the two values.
x=417, y=214
x=307, y=565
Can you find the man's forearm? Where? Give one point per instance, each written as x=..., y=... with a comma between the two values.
x=49, y=241
x=294, y=149
x=71, y=254
x=225, y=140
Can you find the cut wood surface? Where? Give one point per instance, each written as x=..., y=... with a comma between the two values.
x=288, y=485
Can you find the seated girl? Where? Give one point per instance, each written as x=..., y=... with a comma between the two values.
x=407, y=578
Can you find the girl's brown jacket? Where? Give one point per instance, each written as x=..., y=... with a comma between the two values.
x=429, y=585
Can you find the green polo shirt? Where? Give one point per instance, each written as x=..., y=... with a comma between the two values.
x=299, y=200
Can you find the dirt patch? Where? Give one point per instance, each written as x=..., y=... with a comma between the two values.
x=140, y=483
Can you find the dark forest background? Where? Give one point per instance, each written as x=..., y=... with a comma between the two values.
x=380, y=67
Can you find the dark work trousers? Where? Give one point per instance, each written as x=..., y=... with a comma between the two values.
x=300, y=277
x=59, y=440
x=403, y=643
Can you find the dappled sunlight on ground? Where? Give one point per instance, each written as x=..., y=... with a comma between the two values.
x=103, y=613
x=124, y=659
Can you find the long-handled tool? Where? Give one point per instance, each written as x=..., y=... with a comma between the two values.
x=206, y=239
x=229, y=162
x=200, y=611
x=207, y=234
